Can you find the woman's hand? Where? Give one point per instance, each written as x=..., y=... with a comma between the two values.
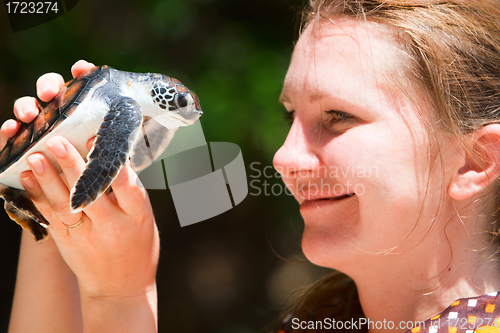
x=27, y=108
x=114, y=252
x=44, y=280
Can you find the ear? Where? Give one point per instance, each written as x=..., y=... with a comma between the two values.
x=480, y=169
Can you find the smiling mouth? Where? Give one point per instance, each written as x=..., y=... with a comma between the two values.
x=340, y=197
x=337, y=198
x=319, y=202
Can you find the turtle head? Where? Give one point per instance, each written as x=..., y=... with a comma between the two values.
x=173, y=104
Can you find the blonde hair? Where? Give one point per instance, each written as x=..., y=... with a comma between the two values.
x=453, y=54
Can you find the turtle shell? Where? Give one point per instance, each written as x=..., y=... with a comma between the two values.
x=56, y=111
x=103, y=102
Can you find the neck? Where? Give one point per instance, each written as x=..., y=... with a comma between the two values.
x=423, y=281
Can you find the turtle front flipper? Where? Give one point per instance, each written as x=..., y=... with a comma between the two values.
x=114, y=141
x=21, y=209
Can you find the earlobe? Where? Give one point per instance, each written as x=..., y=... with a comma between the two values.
x=479, y=168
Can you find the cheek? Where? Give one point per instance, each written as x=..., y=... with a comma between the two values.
x=385, y=157
x=389, y=174
x=400, y=194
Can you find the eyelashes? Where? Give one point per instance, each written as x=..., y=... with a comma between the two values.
x=332, y=117
x=335, y=116
x=288, y=116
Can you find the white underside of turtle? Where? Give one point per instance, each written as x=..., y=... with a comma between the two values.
x=111, y=105
x=78, y=129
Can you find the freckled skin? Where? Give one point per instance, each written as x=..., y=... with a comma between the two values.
x=330, y=71
x=395, y=232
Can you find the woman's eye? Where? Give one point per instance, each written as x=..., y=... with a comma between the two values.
x=289, y=116
x=335, y=117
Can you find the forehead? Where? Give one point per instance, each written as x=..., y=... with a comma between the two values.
x=343, y=56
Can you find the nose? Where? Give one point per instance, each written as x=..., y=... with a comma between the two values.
x=297, y=157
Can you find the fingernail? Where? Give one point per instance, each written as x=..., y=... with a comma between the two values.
x=47, y=86
x=25, y=109
x=56, y=146
x=28, y=182
x=22, y=109
x=37, y=164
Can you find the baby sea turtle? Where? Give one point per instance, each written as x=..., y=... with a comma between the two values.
x=113, y=106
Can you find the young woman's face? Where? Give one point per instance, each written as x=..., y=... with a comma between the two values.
x=357, y=154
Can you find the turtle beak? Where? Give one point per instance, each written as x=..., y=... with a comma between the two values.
x=176, y=119
x=193, y=117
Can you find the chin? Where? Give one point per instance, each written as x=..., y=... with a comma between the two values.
x=328, y=248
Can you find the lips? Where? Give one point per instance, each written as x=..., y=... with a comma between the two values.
x=339, y=197
x=318, y=201
x=320, y=198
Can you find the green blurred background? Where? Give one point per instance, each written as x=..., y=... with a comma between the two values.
x=230, y=273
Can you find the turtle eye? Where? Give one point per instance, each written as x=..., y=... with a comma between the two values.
x=182, y=100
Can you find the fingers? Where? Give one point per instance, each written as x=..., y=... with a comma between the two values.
x=55, y=191
x=90, y=143
x=127, y=188
x=8, y=130
x=52, y=195
x=80, y=67
x=48, y=85
x=38, y=197
x=26, y=109
x=35, y=192
x=130, y=195
x=72, y=165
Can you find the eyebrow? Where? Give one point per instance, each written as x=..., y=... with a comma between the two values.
x=318, y=95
